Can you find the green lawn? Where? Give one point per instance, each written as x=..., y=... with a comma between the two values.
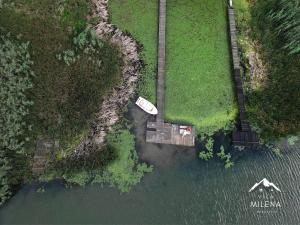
x=199, y=87
x=139, y=17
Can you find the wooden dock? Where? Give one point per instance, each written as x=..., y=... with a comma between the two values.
x=167, y=133
x=244, y=135
x=160, y=131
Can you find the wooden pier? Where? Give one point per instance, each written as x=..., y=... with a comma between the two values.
x=160, y=131
x=161, y=62
x=244, y=135
x=167, y=133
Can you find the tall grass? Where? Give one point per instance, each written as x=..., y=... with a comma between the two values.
x=284, y=17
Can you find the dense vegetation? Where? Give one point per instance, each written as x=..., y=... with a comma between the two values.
x=54, y=74
x=119, y=168
x=63, y=101
x=15, y=80
x=125, y=171
x=198, y=81
x=284, y=16
x=139, y=18
x=273, y=26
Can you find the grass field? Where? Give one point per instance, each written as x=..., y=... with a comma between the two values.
x=139, y=17
x=198, y=81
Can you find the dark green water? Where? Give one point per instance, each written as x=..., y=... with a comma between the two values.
x=181, y=190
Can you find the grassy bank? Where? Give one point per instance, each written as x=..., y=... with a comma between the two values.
x=198, y=81
x=139, y=18
x=65, y=96
x=274, y=100
x=56, y=74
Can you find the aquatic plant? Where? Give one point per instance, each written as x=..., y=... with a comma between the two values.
x=292, y=140
x=225, y=157
x=207, y=154
x=125, y=171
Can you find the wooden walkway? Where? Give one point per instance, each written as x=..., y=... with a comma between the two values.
x=161, y=62
x=244, y=135
x=167, y=133
x=159, y=131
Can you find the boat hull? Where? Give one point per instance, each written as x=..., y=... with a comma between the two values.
x=146, y=106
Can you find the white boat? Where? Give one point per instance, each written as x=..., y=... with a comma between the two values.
x=146, y=106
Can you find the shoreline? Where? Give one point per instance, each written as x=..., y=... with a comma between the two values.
x=116, y=101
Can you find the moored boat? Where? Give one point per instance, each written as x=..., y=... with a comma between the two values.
x=146, y=106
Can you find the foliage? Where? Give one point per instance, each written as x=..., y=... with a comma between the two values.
x=225, y=157
x=86, y=42
x=199, y=87
x=125, y=171
x=284, y=15
x=65, y=97
x=41, y=190
x=125, y=15
x=292, y=140
x=74, y=13
x=15, y=81
x=5, y=168
x=80, y=178
x=117, y=165
x=273, y=108
x=207, y=154
x=274, y=149
x=239, y=147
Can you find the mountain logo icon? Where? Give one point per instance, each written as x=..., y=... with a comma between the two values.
x=264, y=183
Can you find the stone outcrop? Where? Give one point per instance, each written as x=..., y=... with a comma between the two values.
x=114, y=103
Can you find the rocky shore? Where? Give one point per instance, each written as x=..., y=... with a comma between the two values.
x=115, y=102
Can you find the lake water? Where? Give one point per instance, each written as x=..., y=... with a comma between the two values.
x=181, y=190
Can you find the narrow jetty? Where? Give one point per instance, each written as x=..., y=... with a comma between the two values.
x=160, y=131
x=244, y=135
x=161, y=62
